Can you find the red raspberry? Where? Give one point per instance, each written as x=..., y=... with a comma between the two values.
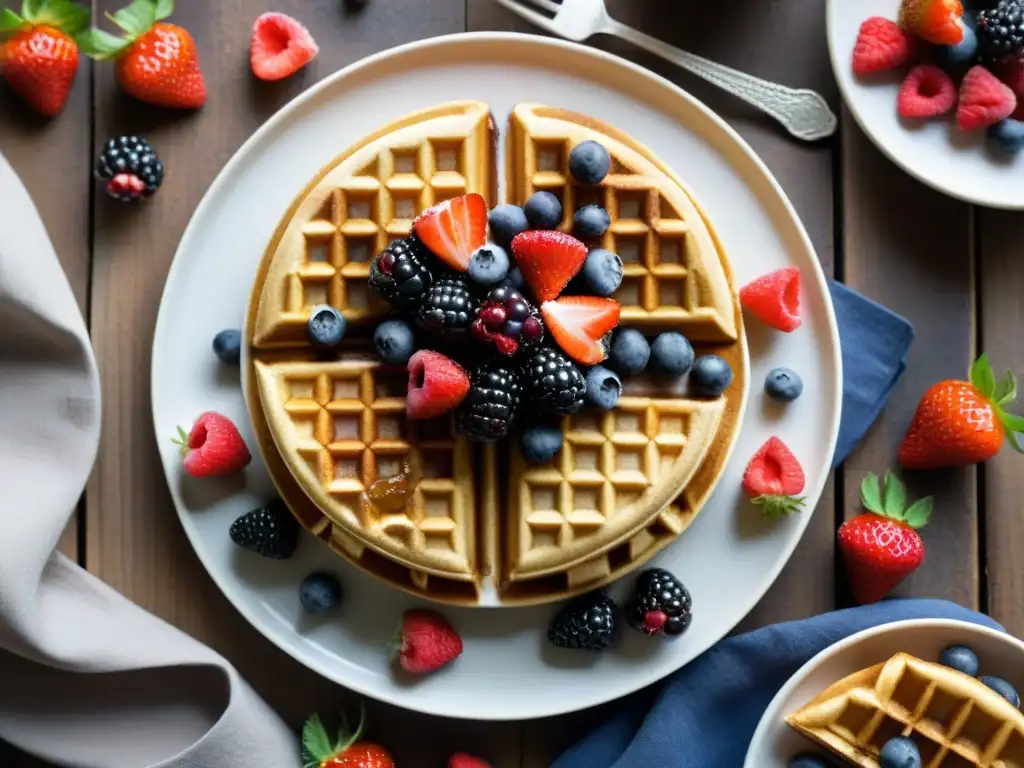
x=927, y=92
x=881, y=45
x=984, y=100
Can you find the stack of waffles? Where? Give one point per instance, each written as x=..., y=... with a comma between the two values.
x=483, y=527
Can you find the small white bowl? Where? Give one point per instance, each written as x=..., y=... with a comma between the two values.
x=774, y=742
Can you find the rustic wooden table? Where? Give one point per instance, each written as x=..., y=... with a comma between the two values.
x=949, y=268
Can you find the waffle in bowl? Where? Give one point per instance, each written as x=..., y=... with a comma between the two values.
x=483, y=527
x=955, y=720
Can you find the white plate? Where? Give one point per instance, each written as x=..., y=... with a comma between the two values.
x=728, y=558
x=934, y=151
x=774, y=742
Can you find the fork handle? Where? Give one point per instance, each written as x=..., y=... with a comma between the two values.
x=802, y=112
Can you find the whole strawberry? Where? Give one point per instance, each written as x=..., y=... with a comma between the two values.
x=345, y=750
x=39, y=57
x=425, y=642
x=962, y=422
x=881, y=546
x=155, y=62
x=213, y=446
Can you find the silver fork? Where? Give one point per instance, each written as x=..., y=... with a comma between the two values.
x=802, y=112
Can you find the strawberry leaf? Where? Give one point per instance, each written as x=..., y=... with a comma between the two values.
x=895, y=496
x=1014, y=442
x=1011, y=421
x=316, y=744
x=164, y=8
x=100, y=45
x=65, y=15
x=982, y=376
x=135, y=19
x=919, y=513
x=9, y=20
x=871, y=494
x=773, y=506
x=30, y=9
x=1006, y=389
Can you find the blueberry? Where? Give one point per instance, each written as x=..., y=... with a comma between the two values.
x=900, y=752
x=603, y=388
x=602, y=272
x=326, y=326
x=513, y=328
x=589, y=162
x=591, y=221
x=394, y=342
x=506, y=222
x=783, y=384
x=488, y=265
x=957, y=59
x=543, y=210
x=518, y=309
x=540, y=443
x=671, y=353
x=319, y=593
x=629, y=352
x=1002, y=687
x=807, y=760
x=227, y=346
x=711, y=375
x=961, y=658
x=515, y=279
x=1007, y=135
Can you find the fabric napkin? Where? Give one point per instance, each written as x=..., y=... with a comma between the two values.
x=705, y=715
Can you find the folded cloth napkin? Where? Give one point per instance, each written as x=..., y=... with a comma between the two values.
x=705, y=715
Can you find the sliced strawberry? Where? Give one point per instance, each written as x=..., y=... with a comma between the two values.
x=280, y=47
x=881, y=45
x=454, y=229
x=548, y=260
x=773, y=479
x=774, y=299
x=935, y=21
x=436, y=385
x=984, y=100
x=579, y=324
x=213, y=446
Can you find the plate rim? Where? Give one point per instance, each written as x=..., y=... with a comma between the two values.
x=653, y=673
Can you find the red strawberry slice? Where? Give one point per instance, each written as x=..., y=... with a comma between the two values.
x=773, y=479
x=926, y=92
x=213, y=446
x=454, y=229
x=426, y=642
x=881, y=45
x=436, y=385
x=774, y=299
x=579, y=324
x=280, y=47
x=548, y=260
x=984, y=100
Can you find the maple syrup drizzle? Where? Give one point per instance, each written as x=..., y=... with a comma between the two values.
x=393, y=494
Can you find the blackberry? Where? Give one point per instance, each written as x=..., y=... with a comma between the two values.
x=588, y=623
x=553, y=381
x=492, y=404
x=400, y=274
x=130, y=168
x=1000, y=30
x=270, y=530
x=448, y=306
x=508, y=321
x=660, y=603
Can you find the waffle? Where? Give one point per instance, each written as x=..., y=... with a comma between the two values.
x=955, y=720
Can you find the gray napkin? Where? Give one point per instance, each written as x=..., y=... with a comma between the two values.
x=87, y=678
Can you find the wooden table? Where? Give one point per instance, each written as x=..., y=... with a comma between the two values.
x=951, y=269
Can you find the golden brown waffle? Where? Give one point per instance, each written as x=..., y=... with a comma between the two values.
x=955, y=720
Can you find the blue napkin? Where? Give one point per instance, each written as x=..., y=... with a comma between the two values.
x=874, y=343
x=705, y=715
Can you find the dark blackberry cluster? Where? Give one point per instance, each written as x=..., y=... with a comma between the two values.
x=659, y=604
x=448, y=307
x=588, y=623
x=270, y=530
x=401, y=274
x=552, y=381
x=493, y=402
x=130, y=168
x=508, y=321
x=1000, y=30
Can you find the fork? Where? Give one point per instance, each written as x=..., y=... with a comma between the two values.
x=802, y=112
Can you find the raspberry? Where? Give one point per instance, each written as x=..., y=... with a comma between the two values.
x=984, y=100
x=881, y=45
x=927, y=92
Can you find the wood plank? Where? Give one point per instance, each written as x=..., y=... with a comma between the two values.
x=910, y=248
x=53, y=159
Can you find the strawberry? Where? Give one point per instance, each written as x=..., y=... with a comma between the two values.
x=436, y=385
x=881, y=546
x=462, y=760
x=425, y=642
x=773, y=478
x=578, y=324
x=926, y=92
x=935, y=21
x=280, y=47
x=345, y=751
x=39, y=57
x=881, y=45
x=984, y=100
x=962, y=422
x=155, y=62
x=213, y=446
x=454, y=229
x=548, y=260
x=774, y=299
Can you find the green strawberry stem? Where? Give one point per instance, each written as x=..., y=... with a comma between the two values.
x=891, y=501
x=133, y=21
x=778, y=505
x=182, y=440
x=67, y=16
x=999, y=393
x=317, y=746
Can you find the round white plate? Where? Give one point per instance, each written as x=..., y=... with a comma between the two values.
x=934, y=151
x=728, y=558
x=774, y=742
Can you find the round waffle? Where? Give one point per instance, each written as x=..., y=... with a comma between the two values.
x=482, y=526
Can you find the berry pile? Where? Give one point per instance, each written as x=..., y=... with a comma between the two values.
x=970, y=65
